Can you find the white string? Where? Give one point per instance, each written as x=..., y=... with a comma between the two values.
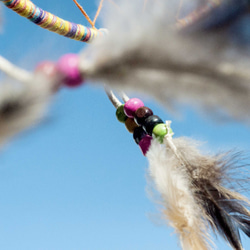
x=124, y=97
x=15, y=72
x=114, y=100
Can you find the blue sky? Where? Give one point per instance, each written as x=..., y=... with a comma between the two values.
x=77, y=181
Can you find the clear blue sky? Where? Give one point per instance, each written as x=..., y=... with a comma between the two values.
x=78, y=180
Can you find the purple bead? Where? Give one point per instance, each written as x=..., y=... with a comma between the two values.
x=131, y=106
x=68, y=67
x=145, y=143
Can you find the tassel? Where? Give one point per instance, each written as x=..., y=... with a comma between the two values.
x=198, y=191
x=180, y=209
x=195, y=194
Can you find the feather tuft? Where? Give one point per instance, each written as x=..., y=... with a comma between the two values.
x=197, y=191
x=172, y=182
x=22, y=105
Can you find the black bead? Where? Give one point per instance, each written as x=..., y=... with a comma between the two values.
x=138, y=134
x=151, y=122
x=141, y=114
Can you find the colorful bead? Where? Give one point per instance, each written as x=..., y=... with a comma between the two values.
x=160, y=130
x=68, y=67
x=141, y=114
x=130, y=125
x=138, y=134
x=145, y=143
x=131, y=106
x=120, y=115
x=48, y=68
x=151, y=122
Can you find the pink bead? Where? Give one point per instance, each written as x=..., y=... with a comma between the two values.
x=131, y=106
x=68, y=68
x=48, y=68
x=145, y=143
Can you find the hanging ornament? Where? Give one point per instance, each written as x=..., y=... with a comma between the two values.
x=198, y=191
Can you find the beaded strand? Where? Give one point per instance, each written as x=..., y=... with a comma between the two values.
x=53, y=23
x=141, y=121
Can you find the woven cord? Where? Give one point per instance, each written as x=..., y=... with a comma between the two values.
x=53, y=23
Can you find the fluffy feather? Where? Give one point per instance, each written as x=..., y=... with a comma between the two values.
x=173, y=183
x=195, y=192
x=143, y=52
x=22, y=106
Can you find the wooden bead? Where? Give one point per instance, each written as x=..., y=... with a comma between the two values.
x=130, y=125
x=138, y=134
x=141, y=114
x=151, y=122
x=131, y=106
x=120, y=115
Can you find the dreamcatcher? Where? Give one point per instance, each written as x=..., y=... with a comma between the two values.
x=193, y=187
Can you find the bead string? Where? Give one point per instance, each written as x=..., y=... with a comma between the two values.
x=140, y=121
x=53, y=23
x=113, y=99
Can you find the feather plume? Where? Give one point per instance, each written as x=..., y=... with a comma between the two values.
x=22, y=105
x=145, y=53
x=172, y=182
x=195, y=193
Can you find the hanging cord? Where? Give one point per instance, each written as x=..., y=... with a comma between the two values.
x=124, y=97
x=92, y=23
x=84, y=13
x=224, y=11
x=98, y=12
x=113, y=99
x=140, y=121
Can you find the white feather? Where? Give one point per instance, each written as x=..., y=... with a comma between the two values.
x=22, y=105
x=180, y=208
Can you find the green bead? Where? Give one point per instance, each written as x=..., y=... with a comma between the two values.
x=120, y=115
x=160, y=130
